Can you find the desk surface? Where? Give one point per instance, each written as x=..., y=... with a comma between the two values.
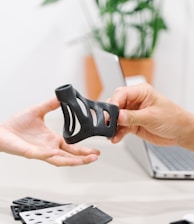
x=115, y=183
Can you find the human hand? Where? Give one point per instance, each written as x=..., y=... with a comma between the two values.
x=151, y=116
x=25, y=134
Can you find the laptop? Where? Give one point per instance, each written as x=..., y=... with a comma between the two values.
x=110, y=72
x=160, y=162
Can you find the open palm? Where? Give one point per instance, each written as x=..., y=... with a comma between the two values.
x=26, y=134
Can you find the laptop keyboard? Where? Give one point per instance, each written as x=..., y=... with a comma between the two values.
x=175, y=158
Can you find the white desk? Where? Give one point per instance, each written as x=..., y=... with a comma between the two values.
x=115, y=183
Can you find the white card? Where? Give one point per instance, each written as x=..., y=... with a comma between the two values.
x=46, y=215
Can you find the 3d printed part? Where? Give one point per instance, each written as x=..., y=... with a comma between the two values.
x=85, y=118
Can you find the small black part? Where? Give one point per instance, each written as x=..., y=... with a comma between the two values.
x=29, y=204
x=29, y=201
x=90, y=215
x=89, y=115
x=15, y=211
x=180, y=222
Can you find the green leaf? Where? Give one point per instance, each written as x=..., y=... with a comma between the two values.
x=142, y=6
x=97, y=2
x=157, y=24
x=111, y=33
x=46, y=2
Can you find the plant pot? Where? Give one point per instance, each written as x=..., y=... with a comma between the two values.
x=93, y=84
x=130, y=67
x=133, y=67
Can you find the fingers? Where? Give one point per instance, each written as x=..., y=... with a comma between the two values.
x=48, y=106
x=129, y=121
x=72, y=161
x=131, y=97
x=59, y=157
x=121, y=132
x=73, y=155
x=128, y=118
x=77, y=149
x=64, y=155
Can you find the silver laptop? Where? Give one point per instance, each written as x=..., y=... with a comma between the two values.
x=110, y=72
x=159, y=161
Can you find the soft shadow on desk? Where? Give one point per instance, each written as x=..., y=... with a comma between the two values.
x=127, y=208
x=114, y=164
x=149, y=209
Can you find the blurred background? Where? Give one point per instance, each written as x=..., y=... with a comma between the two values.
x=37, y=53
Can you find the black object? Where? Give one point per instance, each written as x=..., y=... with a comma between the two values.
x=28, y=204
x=90, y=215
x=180, y=222
x=29, y=201
x=91, y=118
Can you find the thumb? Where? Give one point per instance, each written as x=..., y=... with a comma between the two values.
x=131, y=117
x=48, y=106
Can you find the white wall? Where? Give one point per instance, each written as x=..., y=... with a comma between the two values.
x=35, y=57
x=188, y=61
x=174, y=55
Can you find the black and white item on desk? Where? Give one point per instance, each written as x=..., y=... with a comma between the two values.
x=46, y=212
x=28, y=204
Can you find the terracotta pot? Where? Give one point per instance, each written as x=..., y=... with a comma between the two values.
x=92, y=79
x=130, y=67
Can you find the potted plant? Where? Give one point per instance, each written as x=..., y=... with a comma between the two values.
x=129, y=29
